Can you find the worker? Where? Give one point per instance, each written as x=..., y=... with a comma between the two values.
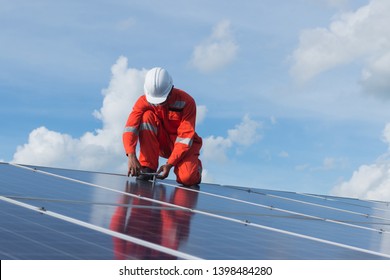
x=163, y=120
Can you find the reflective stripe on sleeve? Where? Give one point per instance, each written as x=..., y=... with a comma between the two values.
x=132, y=129
x=186, y=141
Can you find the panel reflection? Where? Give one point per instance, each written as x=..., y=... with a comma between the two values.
x=147, y=220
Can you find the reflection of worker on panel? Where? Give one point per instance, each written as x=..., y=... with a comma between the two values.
x=149, y=221
x=176, y=224
x=163, y=121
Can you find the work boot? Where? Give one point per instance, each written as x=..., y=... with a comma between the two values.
x=146, y=177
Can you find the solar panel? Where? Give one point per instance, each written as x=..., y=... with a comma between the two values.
x=51, y=213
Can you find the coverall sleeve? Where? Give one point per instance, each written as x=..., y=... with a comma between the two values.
x=130, y=133
x=185, y=133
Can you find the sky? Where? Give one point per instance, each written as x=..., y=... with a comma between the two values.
x=291, y=95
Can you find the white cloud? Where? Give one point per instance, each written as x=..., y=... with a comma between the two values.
x=46, y=147
x=375, y=76
x=246, y=133
x=218, y=50
x=386, y=134
x=369, y=181
x=362, y=35
x=99, y=150
x=125, y=86
x=214, y=148
x=243, y=135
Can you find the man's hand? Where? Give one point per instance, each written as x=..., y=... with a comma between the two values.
x=134, y=166
x=164, y=170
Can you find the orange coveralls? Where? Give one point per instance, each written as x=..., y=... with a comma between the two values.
x=166, y=130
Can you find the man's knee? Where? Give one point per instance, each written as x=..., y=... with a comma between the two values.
x=189, y=181
x=188, y=178
x=149, y=122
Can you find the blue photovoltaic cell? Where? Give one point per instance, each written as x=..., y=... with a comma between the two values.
x=49, y=213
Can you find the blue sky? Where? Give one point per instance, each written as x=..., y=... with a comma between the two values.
x=292, y=95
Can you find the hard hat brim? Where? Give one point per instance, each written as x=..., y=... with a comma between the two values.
x=157, y=100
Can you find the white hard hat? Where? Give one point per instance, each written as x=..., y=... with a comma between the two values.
x=158, y=84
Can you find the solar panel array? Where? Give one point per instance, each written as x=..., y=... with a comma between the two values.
x=50, y=213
